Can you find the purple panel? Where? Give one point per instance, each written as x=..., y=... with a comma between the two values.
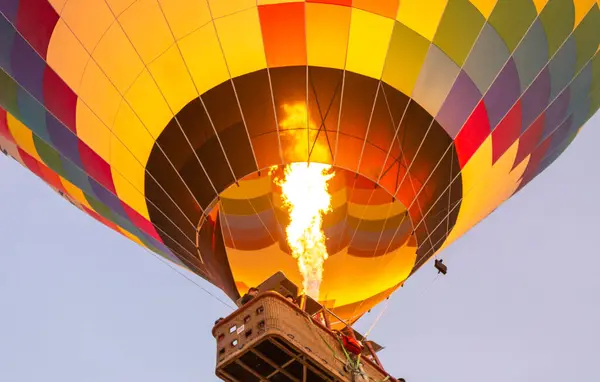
x=108, y=198
x=335, y=231
x=536, y=98
x=253, y=221
x=556, y=113
x=9, y=9
x=365, y=240
x=7, y=36
x=28, y=68
x=63, y=140
x=459, y=104
x=503, y=93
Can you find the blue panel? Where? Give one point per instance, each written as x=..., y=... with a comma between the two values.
x=562, y=67
x=532, y=54
x=503, y=94
x=28, y=68
x=580, y=88
x=7, y=36
x=556, y=113
x=33, y=115
x=76, y=176
x=459, y=105
x=63, y=139
x=536, y=99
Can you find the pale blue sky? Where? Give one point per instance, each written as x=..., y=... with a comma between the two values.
x=79, y=303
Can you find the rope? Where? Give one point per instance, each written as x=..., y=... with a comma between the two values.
x=168, y=264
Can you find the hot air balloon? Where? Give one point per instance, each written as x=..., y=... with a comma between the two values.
x=167, y=120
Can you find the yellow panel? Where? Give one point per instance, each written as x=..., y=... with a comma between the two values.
x=147, y=29
x=67, y=56
x=249, y=189
x=130, y=132
x=128, y=177
x=341, y=270
x=92, y=131
x=421, y=16
x=57, y=5
x=540, y=4
x=185, y=16
x=145, y=98
x=327, y=28
x=406, y=55
x=99, y=94
x=485, y=7
x=220, y=8
x=483, y=194
x=204, y=58
x=130, y=236
x=22, y=135
x=75, y=192
x=117, y=58
x=118, y=6
x=374, y=276
x=88, y=19
x=376, y=211
x=241, y=38
x=368, y=43
x=582, y=7
x=173, y=79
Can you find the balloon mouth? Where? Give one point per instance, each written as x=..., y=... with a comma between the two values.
x=215, y=209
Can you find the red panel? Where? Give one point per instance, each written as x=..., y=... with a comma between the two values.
x=507, y=132
x=386, y=8
x=536, y=158
x=530, y=139
x=284, y=34
x=31, y=163
x=472, y=135
x=96, y=167
x=59, y=99
x=4, y=131
x=36, y=21
x=347, y=3
x=51, y=177
x=141, y=222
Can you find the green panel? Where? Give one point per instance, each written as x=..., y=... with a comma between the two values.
x=558, y=18
x=406, y=55
x=596, y=72
x=458, y=30
x=587, y=36
x=100, y=208
x=8, y=95
x=512, y=19
x=50, y=156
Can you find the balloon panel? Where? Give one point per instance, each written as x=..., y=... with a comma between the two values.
x=160, y=119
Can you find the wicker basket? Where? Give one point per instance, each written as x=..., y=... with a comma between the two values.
x=271, y=339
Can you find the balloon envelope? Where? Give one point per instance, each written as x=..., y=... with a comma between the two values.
x=161, y=119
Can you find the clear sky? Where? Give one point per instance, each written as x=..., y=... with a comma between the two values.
x=80, y=303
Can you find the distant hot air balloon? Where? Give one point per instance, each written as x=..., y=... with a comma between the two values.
x=165, y=119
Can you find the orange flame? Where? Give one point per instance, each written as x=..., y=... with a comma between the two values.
x=306, y=197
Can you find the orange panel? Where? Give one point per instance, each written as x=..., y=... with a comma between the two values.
x=284, y=33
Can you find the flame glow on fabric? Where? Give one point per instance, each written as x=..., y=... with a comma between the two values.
x=305, y=194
